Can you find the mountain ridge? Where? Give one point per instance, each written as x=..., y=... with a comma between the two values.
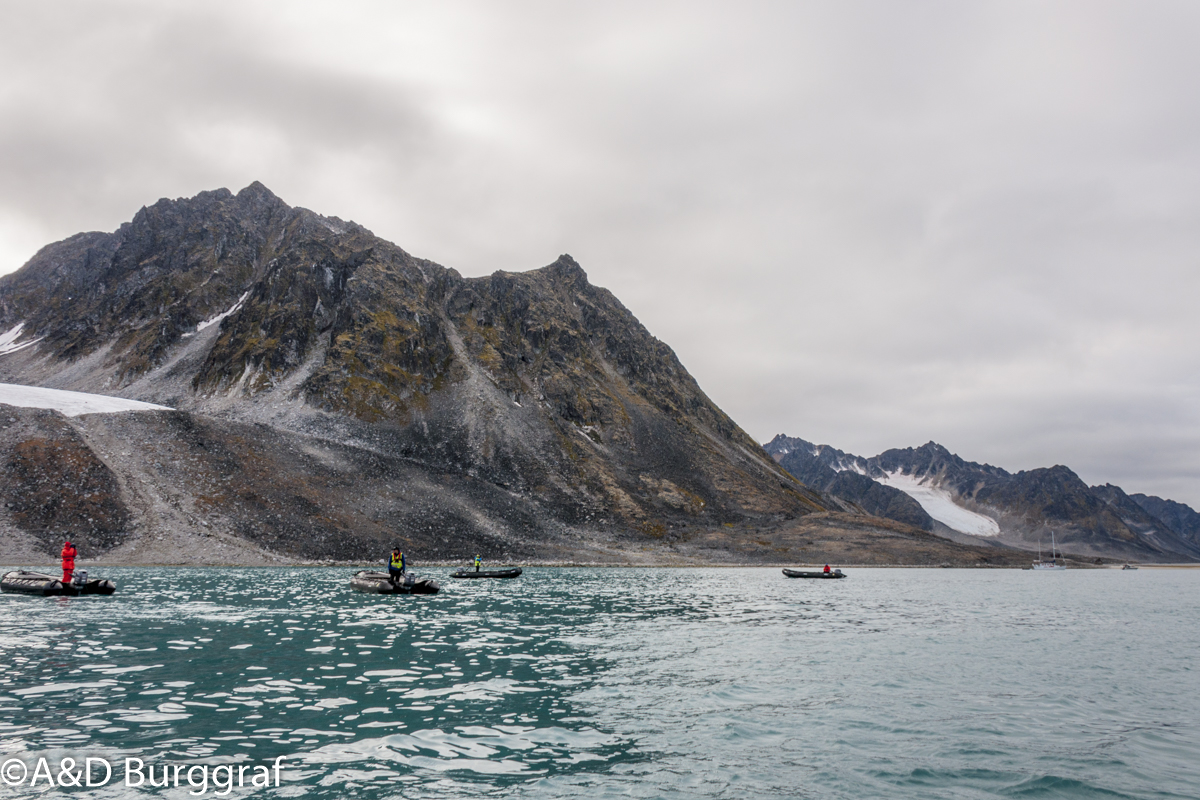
x=1025, y=507
x=534, y=403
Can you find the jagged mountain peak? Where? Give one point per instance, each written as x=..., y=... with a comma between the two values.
x=567, y=268
x=1058, y=472
x=253, y=198
x=933, y=461
x=243, y=308
x=782, y=443
x=256, y=192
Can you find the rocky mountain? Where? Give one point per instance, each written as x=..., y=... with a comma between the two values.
x=334, y=394
x=973, y=502
x=846, y=476
x=1181, y=519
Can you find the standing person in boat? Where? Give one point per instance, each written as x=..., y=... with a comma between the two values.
x=826, y=570
x=68, y=562
x=396, y=565
x=478, y=562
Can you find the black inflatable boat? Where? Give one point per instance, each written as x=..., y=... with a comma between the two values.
x=48, y=585
x=796, y=573
x=487, y=573
x=372, y=582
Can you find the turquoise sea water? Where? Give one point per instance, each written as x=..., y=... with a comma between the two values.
x=673, y=683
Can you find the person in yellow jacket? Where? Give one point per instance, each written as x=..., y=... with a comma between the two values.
x=396, y=565
x=478, y=562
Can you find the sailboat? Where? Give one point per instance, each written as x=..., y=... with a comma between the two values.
x=1053, y=562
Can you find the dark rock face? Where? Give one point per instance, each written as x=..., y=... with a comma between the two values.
x=1180, y=518
x=538, y=385
x=847, y=477
x=880, y=500
x=140, y=288
x=1028, y=505
x=53, y=485
x=1056, y=498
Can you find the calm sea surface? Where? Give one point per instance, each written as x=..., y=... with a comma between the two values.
x=673, y=683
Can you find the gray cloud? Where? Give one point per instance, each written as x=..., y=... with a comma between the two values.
x=869, y=224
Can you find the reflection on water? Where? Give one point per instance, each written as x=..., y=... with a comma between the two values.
x=644, y=683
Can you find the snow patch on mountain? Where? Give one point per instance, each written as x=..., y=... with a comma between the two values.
x=215, y=320
x=939, y=505
x=8, y=340
x=852, y=466
x=73, y=404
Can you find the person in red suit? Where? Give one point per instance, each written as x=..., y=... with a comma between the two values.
x=68, y=557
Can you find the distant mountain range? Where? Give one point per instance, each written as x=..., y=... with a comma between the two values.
x=935, y=490
x=335, y=395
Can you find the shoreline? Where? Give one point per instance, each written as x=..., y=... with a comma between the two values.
x=589, y=565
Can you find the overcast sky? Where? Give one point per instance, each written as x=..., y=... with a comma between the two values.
x=867, y=224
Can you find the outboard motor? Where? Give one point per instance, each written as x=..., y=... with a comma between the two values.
x=80, y=577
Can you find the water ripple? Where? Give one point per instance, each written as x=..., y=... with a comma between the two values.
x=635, y=683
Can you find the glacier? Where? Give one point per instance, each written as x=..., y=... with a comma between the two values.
x=940, y=505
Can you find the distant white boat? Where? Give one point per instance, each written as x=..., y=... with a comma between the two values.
x=1053, y=562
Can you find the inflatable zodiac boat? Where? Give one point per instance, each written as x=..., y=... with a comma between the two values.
x=380, y=583
x=47, y=585
x=795, y=573
x=487, y=573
